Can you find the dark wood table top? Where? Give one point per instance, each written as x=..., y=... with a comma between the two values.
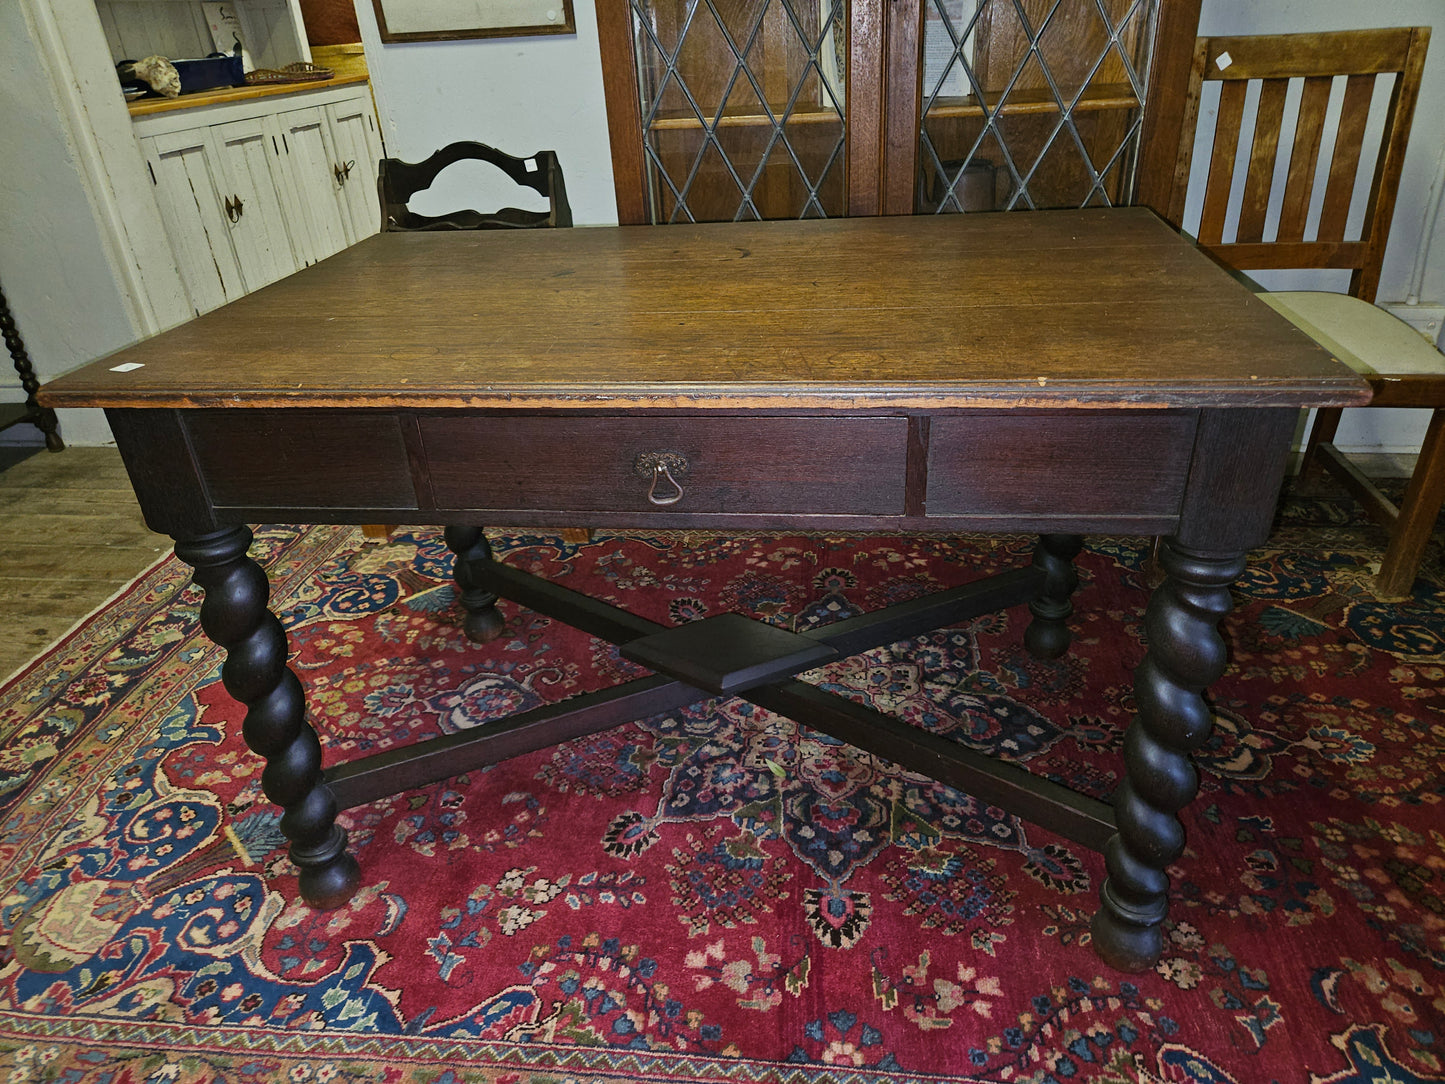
x=1078, y=309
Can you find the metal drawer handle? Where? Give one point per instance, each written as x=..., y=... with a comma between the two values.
x=663, y=468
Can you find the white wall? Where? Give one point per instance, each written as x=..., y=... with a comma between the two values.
x=518, y=94
x=53, y=262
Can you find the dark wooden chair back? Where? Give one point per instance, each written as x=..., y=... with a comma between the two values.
x=397, y=182
x=1274, y=203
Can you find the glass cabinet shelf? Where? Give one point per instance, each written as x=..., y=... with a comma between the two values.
x=1036, y=100
x=800, y=114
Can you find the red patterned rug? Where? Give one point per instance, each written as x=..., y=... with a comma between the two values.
x=713, y=894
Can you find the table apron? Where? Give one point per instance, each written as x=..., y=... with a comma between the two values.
x=1144, y=471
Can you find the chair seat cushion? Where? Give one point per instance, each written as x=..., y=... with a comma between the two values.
x=1363, y=336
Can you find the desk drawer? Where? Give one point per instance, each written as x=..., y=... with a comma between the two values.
x=302, y=459
x=737, y=465
x=1099, y=463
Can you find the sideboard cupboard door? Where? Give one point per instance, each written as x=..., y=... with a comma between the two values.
x=808, y=108
x=358, y=149
x=185, y=169
x=313, y=163
x=257, y=214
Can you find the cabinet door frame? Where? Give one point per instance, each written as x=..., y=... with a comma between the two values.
x=297, y=217
x=356, y=141
x=265, y=246
x=206, y=260
x=884, y=106
x=322, y=204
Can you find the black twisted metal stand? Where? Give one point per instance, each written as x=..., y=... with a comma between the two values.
x=43, y=417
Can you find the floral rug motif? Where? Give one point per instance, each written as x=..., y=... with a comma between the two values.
x=716, y=893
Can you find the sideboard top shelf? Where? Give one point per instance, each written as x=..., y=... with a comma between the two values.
x=146, y=106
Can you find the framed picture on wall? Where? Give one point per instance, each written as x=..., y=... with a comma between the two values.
x=450, y=20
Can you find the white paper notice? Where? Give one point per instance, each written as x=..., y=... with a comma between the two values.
x=226, y=30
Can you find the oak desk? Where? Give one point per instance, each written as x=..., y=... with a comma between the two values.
x=1054, y=372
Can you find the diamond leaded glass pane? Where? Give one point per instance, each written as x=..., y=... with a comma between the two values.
x=742, y=107
x=1032, y=103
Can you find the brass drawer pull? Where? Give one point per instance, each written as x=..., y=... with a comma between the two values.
x=662, y=467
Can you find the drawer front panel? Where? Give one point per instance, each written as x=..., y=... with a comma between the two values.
x=739, y=465
x=1056, y=463
x=331, y=459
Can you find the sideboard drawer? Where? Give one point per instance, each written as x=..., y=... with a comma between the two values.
x=1041, y=462
x=730, y=464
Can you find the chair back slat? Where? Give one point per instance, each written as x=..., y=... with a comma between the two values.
x=1221, y=163
x=1276, y=216
x=1304, y=158
x=1349, y=140
x=1296, y=56
x=1267, y=121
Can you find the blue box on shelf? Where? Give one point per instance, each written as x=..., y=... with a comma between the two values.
x=207, y=73
x=216, y=70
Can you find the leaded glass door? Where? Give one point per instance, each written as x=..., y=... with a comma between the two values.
x=746, y=109
x=742, y=107
x=1032, y=103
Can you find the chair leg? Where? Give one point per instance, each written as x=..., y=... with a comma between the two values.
x=1418, y=511
x=1312, y=467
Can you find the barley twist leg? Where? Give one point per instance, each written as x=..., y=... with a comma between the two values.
x=1185, y=654
x=234, y=614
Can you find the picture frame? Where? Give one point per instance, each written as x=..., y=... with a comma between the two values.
x=455, y=20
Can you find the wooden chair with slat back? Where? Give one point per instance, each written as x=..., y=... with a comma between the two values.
x=1292, y=208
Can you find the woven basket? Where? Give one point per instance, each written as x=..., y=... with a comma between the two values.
x=299, y=72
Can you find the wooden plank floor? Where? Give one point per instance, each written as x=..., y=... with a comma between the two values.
x=71, y=536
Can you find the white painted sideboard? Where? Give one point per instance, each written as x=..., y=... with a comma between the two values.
x=94, y=245
x=250, y=191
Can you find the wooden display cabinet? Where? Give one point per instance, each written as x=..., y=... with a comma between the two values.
x=764, y=109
